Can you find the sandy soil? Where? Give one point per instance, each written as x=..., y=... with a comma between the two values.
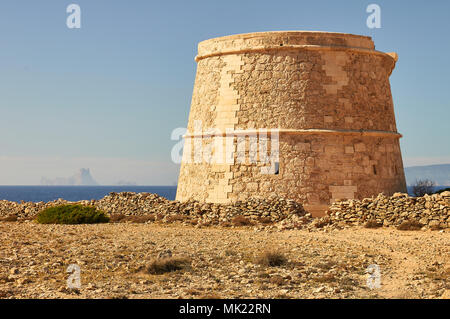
x=113, y=259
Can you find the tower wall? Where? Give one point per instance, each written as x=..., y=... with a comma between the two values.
x=327, y=95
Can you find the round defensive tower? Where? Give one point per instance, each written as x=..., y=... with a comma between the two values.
x=318, y=103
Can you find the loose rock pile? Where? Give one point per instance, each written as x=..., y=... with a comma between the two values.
x=251, y=212
x=431, y=211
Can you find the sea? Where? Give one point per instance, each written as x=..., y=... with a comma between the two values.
x=77, y=193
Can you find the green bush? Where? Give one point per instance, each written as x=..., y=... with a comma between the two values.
x=72, y=214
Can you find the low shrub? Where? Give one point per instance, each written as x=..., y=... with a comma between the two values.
x=423, y=187
x=72, y=214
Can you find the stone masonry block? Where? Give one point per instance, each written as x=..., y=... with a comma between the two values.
x=360, y=147
x=343, y=189
x=349, y=150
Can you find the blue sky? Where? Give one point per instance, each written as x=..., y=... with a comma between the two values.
x=107, y=96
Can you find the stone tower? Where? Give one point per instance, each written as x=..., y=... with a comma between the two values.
x=317, y=104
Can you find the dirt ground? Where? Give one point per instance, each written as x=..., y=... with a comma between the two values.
x=221, y=263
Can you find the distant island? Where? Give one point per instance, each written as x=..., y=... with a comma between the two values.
x=82, y=178
x=440, y=174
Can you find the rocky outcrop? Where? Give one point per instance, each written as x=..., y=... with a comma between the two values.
x=429, y=211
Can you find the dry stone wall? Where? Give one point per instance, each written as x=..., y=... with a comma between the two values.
x=429, y=211
x=152, y=207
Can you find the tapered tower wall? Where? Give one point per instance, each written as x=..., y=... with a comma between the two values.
x=327, y=96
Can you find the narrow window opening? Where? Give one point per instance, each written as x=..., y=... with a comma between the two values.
x=374, y=170
x=277, y=168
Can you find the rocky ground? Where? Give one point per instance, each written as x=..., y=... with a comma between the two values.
x=221, y=262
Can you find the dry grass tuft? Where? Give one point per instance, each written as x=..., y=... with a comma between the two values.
x=176, y=218
x=117, y=297
x=271, y=259
x=143, y=219
x=210, y=296
x=192, y=292
x=325, y=278
x=347, y=283
x=283, y=296
x=230, y=252
x=121, y=218
x=205, y=224
x=265, y=220
x=277, y=280
x=322, y=222
x=326, y=265
x=9, y=218
x=410, y=225
x=164, y=265
x=116, y=218
x=437, y=275
x=372, y=224
x=436, y=227
x=263, y=275
x=193, y=222
x=241, y=221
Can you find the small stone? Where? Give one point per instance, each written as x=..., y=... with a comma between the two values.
x=14, y=271
x=320, y=289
